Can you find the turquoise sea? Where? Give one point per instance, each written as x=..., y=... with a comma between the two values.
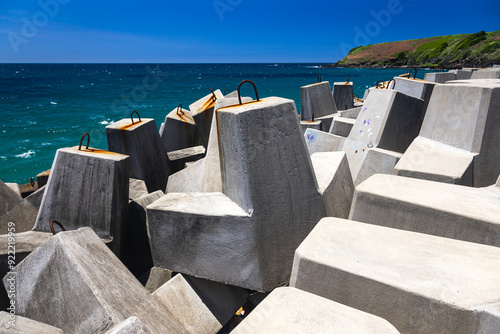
x=48, y=106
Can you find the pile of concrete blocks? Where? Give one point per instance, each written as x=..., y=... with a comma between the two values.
x=245, y=235
x=458, y=139
x=317, y=106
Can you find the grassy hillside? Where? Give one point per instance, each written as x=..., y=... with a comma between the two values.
x=468, y=50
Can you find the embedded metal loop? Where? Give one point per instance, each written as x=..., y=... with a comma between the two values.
x=52, y=222
x=132, y=116
x=347, y=81
x=379, y=86
x=389, y=83
x=81, y=140
x=320, y=79
x=254, y=88
x=179, y=111
x=31, y=182
x=214, y=97
x=414, y=75
x=227, y=90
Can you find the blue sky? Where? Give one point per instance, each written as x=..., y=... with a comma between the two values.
x=201, y=31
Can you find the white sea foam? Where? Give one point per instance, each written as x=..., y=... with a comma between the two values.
x=53, y=102
x=106, y=122
x=26, y=155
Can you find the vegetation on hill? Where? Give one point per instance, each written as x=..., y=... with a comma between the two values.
x=467, y=50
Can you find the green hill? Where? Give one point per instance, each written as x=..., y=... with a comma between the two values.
x=467, y=50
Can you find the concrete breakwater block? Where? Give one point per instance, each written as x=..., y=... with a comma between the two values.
x=389, y=120
x=378, y=161
x=8, y=198
x=179, y=158
x=420, y=89
x=462, y=74
x=317, y=100
x=419, y=283
x=319, y=141
x=179, y=130
x=440, y=77
x=350, y=113
x=486, y=74
x=334, y=182
x=42, y=178
x=202, y=112
x=75, y=283
x=343, y=95
x=87, y=187
x=316, y=125
x=23, y=215
x=246, y=235
x=436, y=208
x=341, y=126
x=130, y=325
x=202, y=306
x=459, y=137
x=15, y=324
x=290, y=310
x=141, y=141
x=137, y=188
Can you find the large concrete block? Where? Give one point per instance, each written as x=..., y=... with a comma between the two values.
x=334, y=182
x=179, y=158
x=94, y=184
x=137, y=188
x=156, y=278
x=459, y=136
x=388, y=120
x=350, y=113
x=290, y=310
x=246, y=235
x=14, y=324
x=202, y=112
x=93, y=291
x=42, y=178
x=319, y=141
x=179, y=131
x=440, y=77
x=420, y=89
x=343, y=95
x=440, y=209
x=462, y=74
x=378, y=161
x=141, y=141
x=342, y=126
x=8, y=198
x=486, y=74
x=23, y=215
x=317, y=100
x=419, y=283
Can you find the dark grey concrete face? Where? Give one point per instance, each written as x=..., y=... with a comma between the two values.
x=179, y=131
x=462, y=125
x=341, y=126
x=86, y=188
x=343, y=95
x=440, y=77
x=141, y=141
x=202, y=112
x=75, y=283
x=419, y=283
x=317, y=100
x=420, y=89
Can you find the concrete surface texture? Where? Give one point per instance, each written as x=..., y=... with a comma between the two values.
x=459, y=135
x=389, y=119
x=319, y=141
x=179, y=130
x=15, y=324
x=436, y=208
x=462, y=74
x=316, y=125
x=377, y=161
x=94, y=184
x=93, y=291
x=290, y=310
x=486, y=74
x=141, y=141
x=269, y=203
x=420, y=89
x=316, y=99
x=334, y=182
x=440, y=77
x=419, y=283
x=341, y=126
x=8, y=198
x=130, y=325
x=186, y=306
x=351, y=113
x=202, y=112
x=343, y=95
x=137, y=188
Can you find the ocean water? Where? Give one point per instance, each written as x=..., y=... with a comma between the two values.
x=49, y=106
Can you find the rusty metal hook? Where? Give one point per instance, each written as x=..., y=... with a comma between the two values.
x=347, y=81
x=132, y=116
x=389, y=83
x=52, y=222
x=377, y=84
x=254, y=88
x=214, y=97
x=31, y=182
x=179, y=109
x=415, y=75
x=320, y=79
x=227, y=90
x=81, y=140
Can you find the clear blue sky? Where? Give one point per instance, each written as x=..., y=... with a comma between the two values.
x=194, y=31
